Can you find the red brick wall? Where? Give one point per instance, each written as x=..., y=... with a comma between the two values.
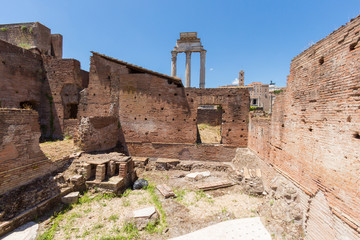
x=235, y=106
x=21, y=159
x=316, y=124
x=201, y=152
x=27, y=35
x=21, y=76
x=212, y=117
x=259, y=135
x=150, y=108
x=63, y=87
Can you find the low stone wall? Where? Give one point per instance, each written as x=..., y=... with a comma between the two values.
x=97, y=133
x=201, y=152
x=21, y=159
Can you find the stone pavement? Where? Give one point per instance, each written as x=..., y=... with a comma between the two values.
x=27, y=231
x=244, y=229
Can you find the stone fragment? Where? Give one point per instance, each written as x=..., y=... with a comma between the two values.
x=70, y=198
x=140, y=161
x=143, y=217
x=77, y=180
x=198, y=175
x=100, y=172
x=165, y=190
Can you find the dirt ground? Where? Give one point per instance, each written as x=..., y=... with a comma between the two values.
x=55, y=150
x=98, y=216
x=209, y=134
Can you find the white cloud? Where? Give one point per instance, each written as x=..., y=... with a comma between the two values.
x=236, y=81
x=211, y=69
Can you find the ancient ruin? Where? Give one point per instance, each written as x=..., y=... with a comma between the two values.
x=189, y=43
x=297, y=169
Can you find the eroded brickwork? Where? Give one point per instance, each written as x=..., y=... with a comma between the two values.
x=21, y=159
x=314, y=135
x=234, y=103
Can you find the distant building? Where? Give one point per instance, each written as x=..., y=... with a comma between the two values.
x=259, y=95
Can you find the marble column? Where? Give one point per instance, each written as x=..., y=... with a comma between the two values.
x=188, y=70
x=202, y=69
x=173, y=63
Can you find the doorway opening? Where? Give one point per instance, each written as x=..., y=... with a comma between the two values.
x=209, y=118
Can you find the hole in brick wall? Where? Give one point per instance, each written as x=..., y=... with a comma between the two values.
x=187, y=94
x=179, y=130
x=146, y=133
x=135, y=118
x=229, y=129
x=233, y=120
x=159, y=94
x=194, y=119
x=70, y=111
x=175, y=94
x=242, y=129
x=28, y=105
x=169, y=82
x=282, y=125
x=310, y=129
x=162, y=108
x=134, y=97
x=321, y=61
x=356, y=135
x=145, y=119
x=184, y=120
x=241, y=135
x=352, y=46
x=243, y=120
x=94, y=94
x=173, y=119
x=3, y=61
x=192, y=100
x=228, y=95
x=348, y=119
x=109, y=77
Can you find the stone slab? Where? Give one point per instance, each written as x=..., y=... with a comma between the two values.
x=165, y=190
x=244, y=229
x=168, y=160
x=144, y=212
x=27, y=231
x=195, y=175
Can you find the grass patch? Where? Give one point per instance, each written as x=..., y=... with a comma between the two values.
x=155, y=199
x=24, y=45
x=3, y=29
x=114, y=217
x=131, y=230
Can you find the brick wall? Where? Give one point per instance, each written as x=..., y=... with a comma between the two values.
x=21, y=78
x=235, y=109
x=61, y=93
x=212, y=117
x=21, y=159
x=201, y=152
x=27, y=35
x=97, y=133
x=314, y=135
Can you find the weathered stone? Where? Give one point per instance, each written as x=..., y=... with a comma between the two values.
x=143, y=217
x=70, y=198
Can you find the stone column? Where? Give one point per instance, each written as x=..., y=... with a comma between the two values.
x=188, y=70
x=202, y=69
x=173, y=63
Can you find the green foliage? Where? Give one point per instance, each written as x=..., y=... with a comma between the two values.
x=31, y=30
x=131, y=230
x=180, y=194
x=23, y=28
x=98, y=226
x=155, y=199
x=3, y=29
x=67, y=137
x=24, y=45
x=253, y=108
x=126, y=193
x=278, y=91
x=151, y=227
x=113, y=217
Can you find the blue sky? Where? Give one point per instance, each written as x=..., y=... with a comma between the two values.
x=259, y=36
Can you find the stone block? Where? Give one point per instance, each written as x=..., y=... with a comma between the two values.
x=70, y=198
x=100, y=172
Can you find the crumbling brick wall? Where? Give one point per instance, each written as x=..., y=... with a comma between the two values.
x=151, y=108
x=62, y=94
x=235, y=109
x=315, y=127
x=27, y=35
x=97, y=133
x=211, y=116
x=22, y=76
x=21, y=159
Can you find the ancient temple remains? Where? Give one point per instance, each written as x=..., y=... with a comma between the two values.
x=189, y=43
